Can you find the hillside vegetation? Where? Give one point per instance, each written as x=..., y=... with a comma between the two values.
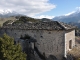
x=9, y=50
x=21, y=20
x=24, y=19
x=2, y=20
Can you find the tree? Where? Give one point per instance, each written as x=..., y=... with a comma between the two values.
x=10, y=51
x=23, y=19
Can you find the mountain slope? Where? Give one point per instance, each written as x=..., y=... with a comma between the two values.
x=74, y=17
x=6, y=15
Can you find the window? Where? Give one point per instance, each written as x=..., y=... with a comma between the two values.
x=41, y=36
x=49, y=33
x=70, y=44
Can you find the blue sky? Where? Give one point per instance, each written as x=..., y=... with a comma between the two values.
x=40, y=8
x=63, y=7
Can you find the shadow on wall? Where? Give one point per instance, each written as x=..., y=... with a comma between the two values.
x=39, y=54
x=30, y=51
x=51, y=57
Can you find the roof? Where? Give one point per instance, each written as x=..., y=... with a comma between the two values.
x=53, y=25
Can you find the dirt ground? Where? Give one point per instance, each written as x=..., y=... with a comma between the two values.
x=76, y=50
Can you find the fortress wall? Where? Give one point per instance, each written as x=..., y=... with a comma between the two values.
x=51, y=43
x=48, y=42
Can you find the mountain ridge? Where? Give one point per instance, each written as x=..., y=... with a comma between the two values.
x=74, y=17
x=8, y=13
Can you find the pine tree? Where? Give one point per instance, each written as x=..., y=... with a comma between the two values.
x=10, y=51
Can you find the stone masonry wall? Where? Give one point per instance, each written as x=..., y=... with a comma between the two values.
x=69, y=35
x=48, y=42
x=51, y=43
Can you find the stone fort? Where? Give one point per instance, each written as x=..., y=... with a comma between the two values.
x=47, y=39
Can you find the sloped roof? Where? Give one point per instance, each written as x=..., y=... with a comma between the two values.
x=67, y=26
x=53, y=25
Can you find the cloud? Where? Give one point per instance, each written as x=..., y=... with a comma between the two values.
x=44, y=16
x=27, y=7
x=78, y=9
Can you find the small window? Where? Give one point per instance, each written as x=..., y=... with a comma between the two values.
x=49, y=33
x=41, y=36
x=57, y=48
x=70, y=44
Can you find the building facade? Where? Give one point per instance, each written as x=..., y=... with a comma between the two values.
x=53, y=39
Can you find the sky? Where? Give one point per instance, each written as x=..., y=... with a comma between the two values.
x=41, y=8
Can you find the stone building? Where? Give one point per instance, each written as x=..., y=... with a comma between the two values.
x=53, y=39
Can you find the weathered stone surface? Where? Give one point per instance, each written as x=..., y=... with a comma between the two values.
x=52, y=38
x=51, y=57
x=53, y=25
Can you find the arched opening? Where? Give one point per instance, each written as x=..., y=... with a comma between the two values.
x=70, y=44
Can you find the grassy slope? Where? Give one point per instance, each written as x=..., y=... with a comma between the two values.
x=2, y=20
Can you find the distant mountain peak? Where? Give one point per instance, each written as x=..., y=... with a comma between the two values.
x=73, y=12
x=74, y=16
x=70, y=13
x=78, y=11
x=3, y=12
x=8, y=13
